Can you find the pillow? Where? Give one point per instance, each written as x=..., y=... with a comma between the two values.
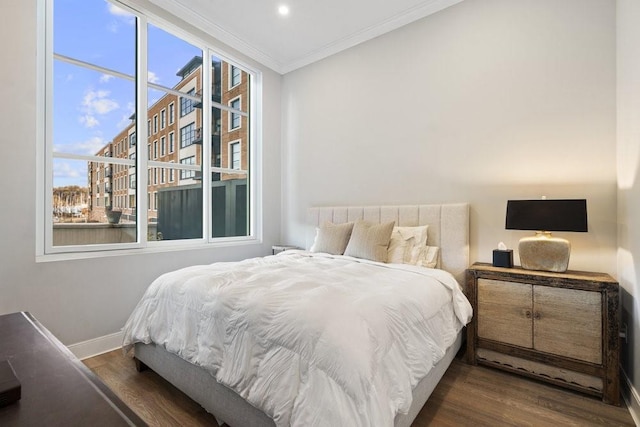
x=370, y=241
x=406, y=244
x=332, y=238
x=429, y=257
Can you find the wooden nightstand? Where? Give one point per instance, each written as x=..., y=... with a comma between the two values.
x=557, y=327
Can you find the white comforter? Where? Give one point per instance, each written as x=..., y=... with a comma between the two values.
x=310, y=339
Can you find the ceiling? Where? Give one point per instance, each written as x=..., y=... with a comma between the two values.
x=312, y=30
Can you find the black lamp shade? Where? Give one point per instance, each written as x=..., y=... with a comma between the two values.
x=547, y=215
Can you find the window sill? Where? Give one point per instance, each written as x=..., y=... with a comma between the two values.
x=154, y=247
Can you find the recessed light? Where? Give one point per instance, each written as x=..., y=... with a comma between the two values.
x=283, y=10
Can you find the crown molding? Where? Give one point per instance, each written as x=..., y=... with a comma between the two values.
x=185, y=12
x=406, y=17
x=191, y=16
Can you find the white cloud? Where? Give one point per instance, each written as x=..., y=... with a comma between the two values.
x=88, y=147
x=89, y=121
x=125, y=121
x=117, y=11
x=152, y=77
x=66, y=170
x=96, y=102
x=121, y=16
x=105, y=78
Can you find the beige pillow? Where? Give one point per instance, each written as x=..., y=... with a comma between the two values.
x=406, y=244
x=370, y=241
x=332, y=238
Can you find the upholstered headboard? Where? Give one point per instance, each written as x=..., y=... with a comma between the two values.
x=448, y=227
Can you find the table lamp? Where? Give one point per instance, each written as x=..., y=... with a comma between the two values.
x=542, y=251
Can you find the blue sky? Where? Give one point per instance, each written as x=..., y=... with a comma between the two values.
x=90, y=108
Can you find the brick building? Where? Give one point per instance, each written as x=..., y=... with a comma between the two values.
x=174, y=130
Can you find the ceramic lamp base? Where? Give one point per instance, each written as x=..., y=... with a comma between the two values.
x=544, y=253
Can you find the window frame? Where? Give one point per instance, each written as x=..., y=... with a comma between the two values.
x=45, y=251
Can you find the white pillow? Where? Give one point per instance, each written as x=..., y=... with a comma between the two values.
x=406, y=244
x=429, y=257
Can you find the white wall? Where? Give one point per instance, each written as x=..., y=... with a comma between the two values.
x=628, y=68
x=483, y=102
x=84, y=299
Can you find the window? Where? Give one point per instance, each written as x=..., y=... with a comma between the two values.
x=234, y=152
x=186, y=174
x=92, y=101
x=236, y=76
x=186, y=104
x=234, y=117
x=187, y=135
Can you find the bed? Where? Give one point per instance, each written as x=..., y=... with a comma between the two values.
x=404, y=365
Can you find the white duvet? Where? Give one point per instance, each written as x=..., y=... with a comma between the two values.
x=310, y=339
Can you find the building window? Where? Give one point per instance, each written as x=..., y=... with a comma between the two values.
x=236, y=75
x=186, y=104
x=234, y=117
x=186, y=174
x=187, y=135
x=172, y=113
x=106, y=74
x=234, y=155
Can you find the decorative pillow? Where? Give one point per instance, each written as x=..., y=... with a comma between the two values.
x=332, y=238
x=406, y=244
x=370, y=241
x=429, y=257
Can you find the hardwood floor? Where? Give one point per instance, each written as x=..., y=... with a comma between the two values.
x=466, y=396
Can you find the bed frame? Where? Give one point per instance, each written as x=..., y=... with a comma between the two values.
x=448, y=229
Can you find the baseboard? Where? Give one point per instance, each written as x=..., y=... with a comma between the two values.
x=631, y=398
x=96, y=346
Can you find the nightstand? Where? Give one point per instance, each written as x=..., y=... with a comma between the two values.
x=557, y=327
x=276, y=249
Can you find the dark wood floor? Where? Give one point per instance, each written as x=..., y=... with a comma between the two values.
x=466, y=396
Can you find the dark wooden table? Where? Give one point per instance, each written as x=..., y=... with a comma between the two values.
x=57, y=388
